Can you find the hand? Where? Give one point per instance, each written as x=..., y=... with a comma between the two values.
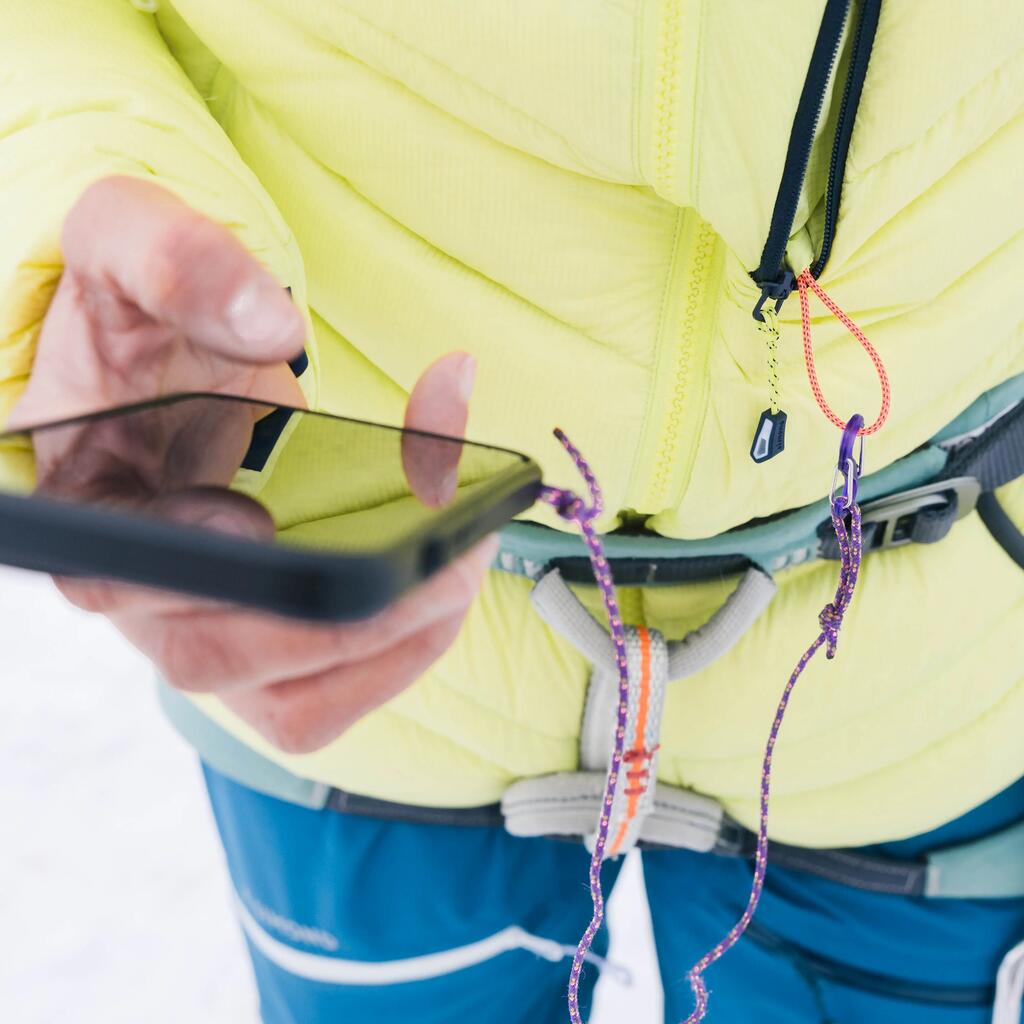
x=155, y=299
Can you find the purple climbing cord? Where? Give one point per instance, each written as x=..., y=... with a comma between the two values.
x=830, y=619
x=573, y=509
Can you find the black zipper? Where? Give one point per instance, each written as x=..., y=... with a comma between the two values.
x=860, y=55
x=772, y=276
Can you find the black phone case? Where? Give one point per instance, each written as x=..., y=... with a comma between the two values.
x=69, y=539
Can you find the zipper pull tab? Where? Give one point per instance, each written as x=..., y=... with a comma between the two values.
x=770, y=435
x=778, y=291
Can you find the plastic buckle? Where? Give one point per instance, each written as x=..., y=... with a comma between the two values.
x=734, y=840
x=778, y=290
x=894, y=511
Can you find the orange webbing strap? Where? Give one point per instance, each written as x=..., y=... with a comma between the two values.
x=638, y=757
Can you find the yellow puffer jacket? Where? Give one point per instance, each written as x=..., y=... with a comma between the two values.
x=576, y=192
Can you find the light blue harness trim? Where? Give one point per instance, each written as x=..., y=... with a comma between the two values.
x=526, y=548
x=231, y=757
x=989, y=868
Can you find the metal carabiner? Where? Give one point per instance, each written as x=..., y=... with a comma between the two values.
x=847, y=467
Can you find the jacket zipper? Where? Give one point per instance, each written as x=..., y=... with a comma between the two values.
x=772, y=276
x=775, y=279
x=693, y=261
x=666, y=459
x=863, y=40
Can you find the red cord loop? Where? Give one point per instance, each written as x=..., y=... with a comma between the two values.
x=804, y=283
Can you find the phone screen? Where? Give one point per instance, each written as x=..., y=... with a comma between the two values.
x=257, y=471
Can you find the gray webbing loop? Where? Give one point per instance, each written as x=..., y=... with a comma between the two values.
x=716, y=637
x=568, y=803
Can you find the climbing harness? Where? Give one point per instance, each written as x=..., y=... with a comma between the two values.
x=918, y=498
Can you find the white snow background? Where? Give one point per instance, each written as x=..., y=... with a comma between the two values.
x=114, y=899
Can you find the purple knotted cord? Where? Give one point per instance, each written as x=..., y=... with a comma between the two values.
x=831, y=619
x=573, y=509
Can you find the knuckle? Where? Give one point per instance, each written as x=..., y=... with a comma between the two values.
x=187, y=666
x=287, y=724
x=187, y=244
x=100, y=194
x=103, y=195
x=467, y=579
x=437, y=640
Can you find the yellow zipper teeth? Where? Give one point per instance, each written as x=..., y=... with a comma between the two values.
x=667, y=453
x=680, y=336
x=667, y=133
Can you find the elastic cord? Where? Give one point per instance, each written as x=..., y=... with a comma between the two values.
x=805, y=282
x=769, y=327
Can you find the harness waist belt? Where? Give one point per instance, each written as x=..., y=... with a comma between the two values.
x=914, y=500
x=987, y=868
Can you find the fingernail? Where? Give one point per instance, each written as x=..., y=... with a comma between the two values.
x=467, y=375
x=261, y=315
x=221, y=522
x=448, y=486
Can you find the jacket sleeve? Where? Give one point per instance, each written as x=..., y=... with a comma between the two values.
x=88, y=88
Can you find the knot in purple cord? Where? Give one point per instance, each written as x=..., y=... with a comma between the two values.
x=831, y=618
x=567, y=504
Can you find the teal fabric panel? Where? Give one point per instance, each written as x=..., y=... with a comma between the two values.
x=232, y=758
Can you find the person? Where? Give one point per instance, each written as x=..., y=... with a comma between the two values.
x=558, y=208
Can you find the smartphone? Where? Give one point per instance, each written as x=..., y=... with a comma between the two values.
x=178, y=493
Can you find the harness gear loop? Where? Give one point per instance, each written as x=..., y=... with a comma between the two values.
x=830, y=620
x=644, y=811
x=806, y=282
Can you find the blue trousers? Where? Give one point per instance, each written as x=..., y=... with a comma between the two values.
x=353, y=919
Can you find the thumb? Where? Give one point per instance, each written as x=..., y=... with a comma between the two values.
x=439, y=404
x=180, y=269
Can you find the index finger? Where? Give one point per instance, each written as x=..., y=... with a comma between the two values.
x=180, y=269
